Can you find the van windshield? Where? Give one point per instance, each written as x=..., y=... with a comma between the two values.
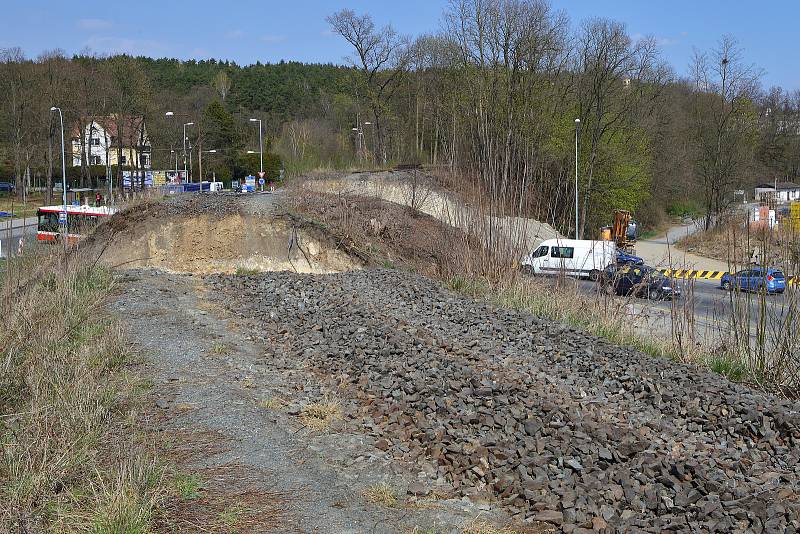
x=541, y=251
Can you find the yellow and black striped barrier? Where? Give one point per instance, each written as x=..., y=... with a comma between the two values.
x=688, y=274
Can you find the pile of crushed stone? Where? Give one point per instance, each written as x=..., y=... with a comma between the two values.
x=557, y=424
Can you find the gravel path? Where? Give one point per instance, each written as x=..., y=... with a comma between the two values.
x=555, y=424
x=212, y=378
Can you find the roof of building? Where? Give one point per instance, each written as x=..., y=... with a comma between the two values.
x=131, y=126
x=781, y=186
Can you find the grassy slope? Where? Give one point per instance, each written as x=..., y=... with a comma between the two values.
x=72, y=459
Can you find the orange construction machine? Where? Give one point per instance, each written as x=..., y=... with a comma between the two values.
x=622, y=232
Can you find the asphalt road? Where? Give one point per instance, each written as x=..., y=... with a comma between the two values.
x=12, y=230
x=711, y=307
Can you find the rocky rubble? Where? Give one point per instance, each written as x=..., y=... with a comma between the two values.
x=556, y=424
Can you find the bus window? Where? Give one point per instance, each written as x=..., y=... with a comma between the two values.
x=48, y=221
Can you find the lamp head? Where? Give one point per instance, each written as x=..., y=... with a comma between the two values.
x=53, y=108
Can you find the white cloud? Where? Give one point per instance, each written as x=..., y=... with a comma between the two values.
x=94, y=24
x=273, y=38
x=667, y=41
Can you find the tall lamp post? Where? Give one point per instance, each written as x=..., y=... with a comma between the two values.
x=260, y=147
x=185, y=171
x=577, y=129
x=64, y=226
x=200, y=160
x=359, y=129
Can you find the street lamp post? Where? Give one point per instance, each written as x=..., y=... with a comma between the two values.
x=65, y=225
x=359, y=129
x=577, y=129
x=260, y=147
x=200, y=161
x=185, y=171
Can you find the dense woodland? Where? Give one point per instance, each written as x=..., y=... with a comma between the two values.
x=491, y=99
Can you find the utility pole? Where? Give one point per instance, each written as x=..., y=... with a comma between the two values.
x=185, y=171
x=577, y=228
x=260, y=147
x=65, y=224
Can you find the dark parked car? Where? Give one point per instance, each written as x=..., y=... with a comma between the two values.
x=755, y=279
x=640, y=281
x=626, y=258
x=7, y=187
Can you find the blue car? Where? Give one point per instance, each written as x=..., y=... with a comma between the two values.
x=7, y=187
x=755, y=279
x=623, y=258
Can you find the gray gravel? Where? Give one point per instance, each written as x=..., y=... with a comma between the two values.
x=551, y=422
x=211, y=375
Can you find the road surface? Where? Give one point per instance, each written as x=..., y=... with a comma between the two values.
x=710, y=308
x=661, y=252
x=14, y=229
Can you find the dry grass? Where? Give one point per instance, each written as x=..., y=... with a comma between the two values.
x=319, y=416
x=481, y=526
x=271, y=403
x=381, y=494
x=220, y=349
x=222, y=499
x=73, y=458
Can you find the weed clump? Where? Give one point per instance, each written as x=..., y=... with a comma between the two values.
x=319, y=416
x=381, y=494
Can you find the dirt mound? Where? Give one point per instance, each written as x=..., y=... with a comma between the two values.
x=385, y=233
x=215, y=233
x=404, y=188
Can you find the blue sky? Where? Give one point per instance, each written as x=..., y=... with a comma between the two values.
x=268, y=30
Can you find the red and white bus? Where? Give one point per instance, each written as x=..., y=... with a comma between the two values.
x=80, y=221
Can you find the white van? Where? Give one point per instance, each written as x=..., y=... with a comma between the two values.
x=572, y=257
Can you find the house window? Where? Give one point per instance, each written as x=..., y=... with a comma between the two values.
x=145, y=160
x=95, y=141
x=94, y=160
x=123, y=160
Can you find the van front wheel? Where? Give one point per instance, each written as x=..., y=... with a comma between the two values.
x=594, y=275
x=527, y=270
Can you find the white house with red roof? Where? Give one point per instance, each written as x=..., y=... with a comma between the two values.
x=113, y=139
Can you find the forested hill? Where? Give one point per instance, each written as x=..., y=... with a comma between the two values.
x=283, y=90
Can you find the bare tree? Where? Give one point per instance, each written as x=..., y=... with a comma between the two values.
x=724, y=121
x=382, y=59
x=617, y=80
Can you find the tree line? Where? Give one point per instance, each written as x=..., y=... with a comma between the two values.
x=492, y=98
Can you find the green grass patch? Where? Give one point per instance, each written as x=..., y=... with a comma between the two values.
x=244, y=271
x=188, y=486
x=729, y=367
x=686, y=208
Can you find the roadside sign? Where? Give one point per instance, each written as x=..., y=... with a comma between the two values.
x=261, y=175
x=62, y=217
x=261, y=181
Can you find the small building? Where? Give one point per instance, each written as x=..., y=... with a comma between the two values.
x=112, y=140
x=777, y=193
